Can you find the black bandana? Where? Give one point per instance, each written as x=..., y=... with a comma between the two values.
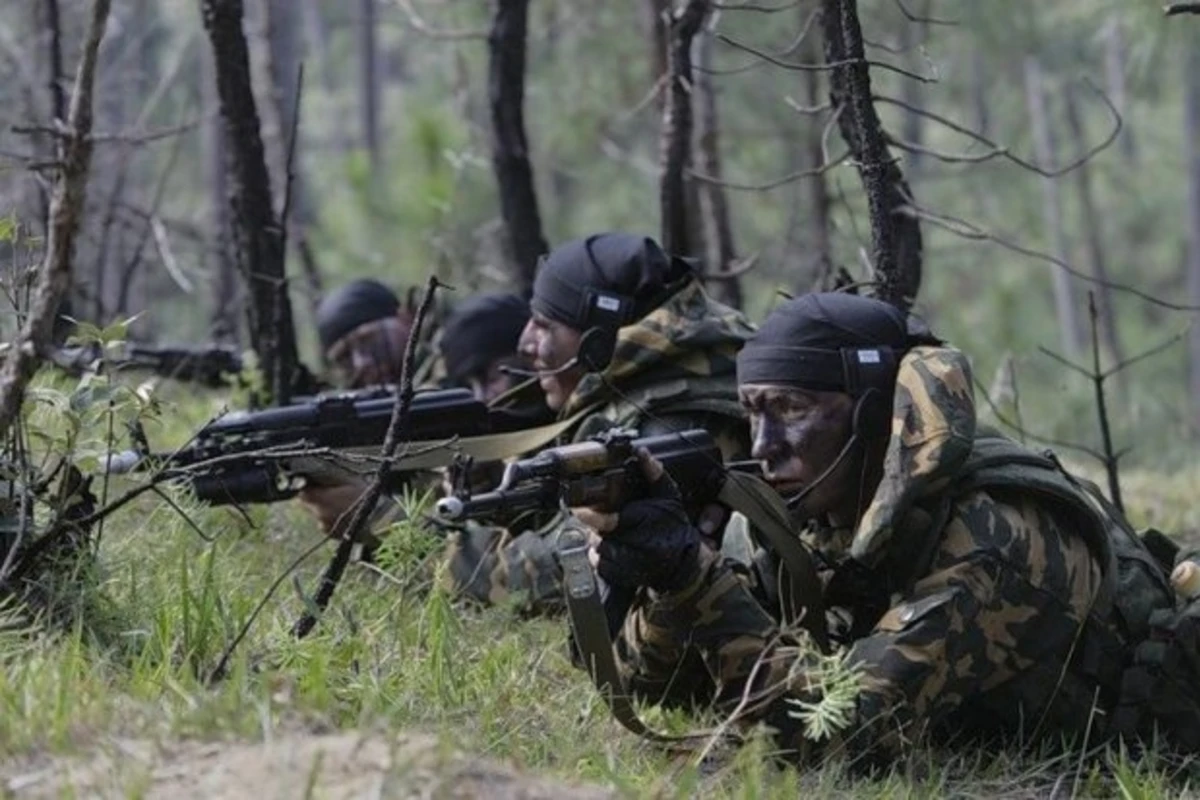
x=823, y=341
x=354, y=304
x=622, y=263
x=480, y=330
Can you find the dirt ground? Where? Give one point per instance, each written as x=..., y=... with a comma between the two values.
x=335, y=766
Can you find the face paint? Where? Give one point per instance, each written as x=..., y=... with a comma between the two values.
x=369, y=355
x=797, y=434
x=548, y=345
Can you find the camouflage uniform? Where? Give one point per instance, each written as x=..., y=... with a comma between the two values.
x=674, y=369
x=976, y=595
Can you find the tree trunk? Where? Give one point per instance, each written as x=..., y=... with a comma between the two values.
x=719, y=250
x=1191, y=151
x=1114, y=77
x=55, y=77
x=510, y=148
x=282, y=25
x=1093, y=236
x=218, y=256
x=66, y=212
x=820, y=205
x=257, y=235
x=895, y=236
x=677, y=229
x=656, y=14
x=911, y=35
x=1065, y=306
x=317, y=39
x=368, y=82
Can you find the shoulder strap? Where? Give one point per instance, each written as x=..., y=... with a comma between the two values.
x=802, y=598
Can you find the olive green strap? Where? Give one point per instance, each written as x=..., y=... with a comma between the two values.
x=802, y=595
x=589, y=624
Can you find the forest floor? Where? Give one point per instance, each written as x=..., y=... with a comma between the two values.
x=398, y=692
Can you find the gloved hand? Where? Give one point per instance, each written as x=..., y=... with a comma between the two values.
x=650, y=542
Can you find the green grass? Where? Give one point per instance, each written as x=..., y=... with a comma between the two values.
x=394, y=653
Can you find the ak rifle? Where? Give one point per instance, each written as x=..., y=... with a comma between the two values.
x=266, y=456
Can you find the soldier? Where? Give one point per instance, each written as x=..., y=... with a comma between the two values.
x=624, y=335
x=970, y=583
x=478, y=344
x=363, y=329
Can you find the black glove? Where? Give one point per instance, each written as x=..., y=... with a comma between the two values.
x=654, y=543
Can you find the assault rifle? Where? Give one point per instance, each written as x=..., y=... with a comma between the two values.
x=603, y=472
x=270, y=455
x=210, y=365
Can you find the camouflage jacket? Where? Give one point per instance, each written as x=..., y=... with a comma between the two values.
x=972, y=598
x=672, y=370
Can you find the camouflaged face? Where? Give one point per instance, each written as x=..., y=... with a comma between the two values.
x=691, y=336
x=933, y=428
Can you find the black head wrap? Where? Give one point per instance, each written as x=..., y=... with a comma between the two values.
x=480, y=330
x=621, y=263
x=830, y=341
x=354, y=304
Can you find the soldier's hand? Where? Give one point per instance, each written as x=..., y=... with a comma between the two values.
x=650, y=542
x=330, y=502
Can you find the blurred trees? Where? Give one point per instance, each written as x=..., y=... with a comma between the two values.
x=394, y=171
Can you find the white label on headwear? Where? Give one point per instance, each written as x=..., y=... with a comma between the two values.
x=608, y=303
x=868, y=356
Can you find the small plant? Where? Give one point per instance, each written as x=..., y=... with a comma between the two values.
x=837, y=686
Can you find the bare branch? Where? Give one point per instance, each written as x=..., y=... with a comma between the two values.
x=999, y=151
x=1181, y=8
x=755, y=7
x=911, y=17
x=779, y=62
x=66, y=209
x=968, y=230
x=791, y=177
x=1003, y=420
x=1153, y=351
x=420, y=26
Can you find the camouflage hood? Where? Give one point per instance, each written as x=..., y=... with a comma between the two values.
x=689, y=338
x=933, y=432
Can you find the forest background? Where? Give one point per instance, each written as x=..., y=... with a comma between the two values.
x=1052, y=150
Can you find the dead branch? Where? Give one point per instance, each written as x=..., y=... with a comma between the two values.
x=911, y=17
x=420, y=26
x=826, y=67
x=755, y=7
x=351, y=525
x=971, y=231
x=999, y=151
x=798, y=40
x=1181, y=8
x=791, y=177
x=66, y=208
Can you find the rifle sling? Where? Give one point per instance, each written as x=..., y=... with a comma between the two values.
x=801, y=597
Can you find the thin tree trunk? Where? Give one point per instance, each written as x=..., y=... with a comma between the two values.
x=820, y=205
x=655, y=14
x=219, y=261
x=1191, y=154
x=895, y=236
x=55, y=79
x=66, y=211
x=1114, y=77
x=317, y=39
x=677, y=229
x=1069, y=332
x=1093, y=236
x=510, y=147
x=257, y=235
x=719, y=249
x=911, y=35
x=369, y=99
x=283, y=58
